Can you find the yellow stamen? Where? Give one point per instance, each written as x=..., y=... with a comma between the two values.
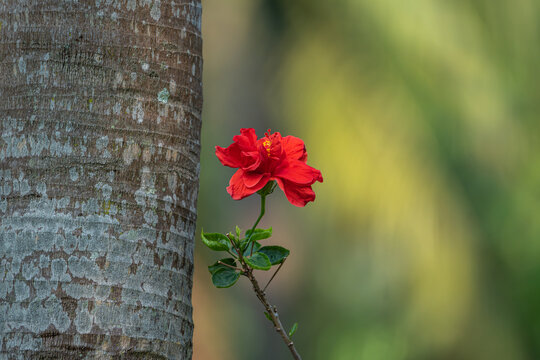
x=267, y=143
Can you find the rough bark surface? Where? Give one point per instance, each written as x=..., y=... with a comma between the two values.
x=100, y=112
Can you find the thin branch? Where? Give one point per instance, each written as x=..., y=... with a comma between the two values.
x=273, y=276
x=230, y=266
x=235, y=247
x=272, y=311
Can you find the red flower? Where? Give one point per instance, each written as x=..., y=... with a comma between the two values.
x=269, y=158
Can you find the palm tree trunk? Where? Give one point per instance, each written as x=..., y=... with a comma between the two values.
x=100, y=113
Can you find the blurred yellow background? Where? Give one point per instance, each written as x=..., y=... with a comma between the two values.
x=423, y=116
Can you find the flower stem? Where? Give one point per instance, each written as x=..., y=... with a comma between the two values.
x=271, y=310
x=248, y=272
x=263, y=202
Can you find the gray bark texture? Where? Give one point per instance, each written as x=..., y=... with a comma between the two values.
x=100, y=113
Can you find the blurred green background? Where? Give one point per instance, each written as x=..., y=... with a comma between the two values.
x=423, y=116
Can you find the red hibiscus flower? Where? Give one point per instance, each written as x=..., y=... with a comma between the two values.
x=271, y=157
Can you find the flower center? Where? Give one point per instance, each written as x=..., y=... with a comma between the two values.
x=267, y=143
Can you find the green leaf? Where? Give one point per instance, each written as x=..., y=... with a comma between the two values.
x=224, y=278
x=234, y=238
x=215, y=241
x=216, y=266
x=247, y=249
x=268, y=317
x=237, y=232
x=293, y=329
x=256, y=247
x=243, y=245
x=276, y=254
x=258, y=261
x=259, y=234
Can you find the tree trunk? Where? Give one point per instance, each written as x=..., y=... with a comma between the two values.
x=100, y=110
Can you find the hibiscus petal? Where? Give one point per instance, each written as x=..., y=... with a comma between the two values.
x=237, y=185
x=276, y=148
x=259, y=185
x=294, y=148
x=298, y=195
x=230, y=156
x=252, y=178
x=237, y=189
x=252, y=160
x=298, y=172
x=247, y=140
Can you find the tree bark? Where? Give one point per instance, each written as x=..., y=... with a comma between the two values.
x=100, y=112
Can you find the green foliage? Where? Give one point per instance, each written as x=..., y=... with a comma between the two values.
x=268, y=317
x=293, y=329
x=276, y=254
x=258, y=261
x=225, y=277
x=246, y=247
x=216, y=241
x=216, y=266
x=259, y=234
x=222, y=275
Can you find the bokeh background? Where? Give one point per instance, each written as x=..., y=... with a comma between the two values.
x=424, y=118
